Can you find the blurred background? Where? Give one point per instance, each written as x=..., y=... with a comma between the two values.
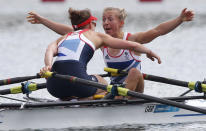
x=182, y=51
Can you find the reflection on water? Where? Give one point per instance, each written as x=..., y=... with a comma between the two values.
x=197, y=126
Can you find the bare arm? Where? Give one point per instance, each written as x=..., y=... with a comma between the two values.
x=162, y=29
x=51, y=51
x=61, y=29
x=123, y=44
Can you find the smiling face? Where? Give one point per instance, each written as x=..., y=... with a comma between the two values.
x=111, y=22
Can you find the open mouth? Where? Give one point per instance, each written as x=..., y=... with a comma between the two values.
x=107, y=29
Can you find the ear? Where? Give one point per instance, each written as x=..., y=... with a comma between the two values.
x=90, y=25
x=121, y=23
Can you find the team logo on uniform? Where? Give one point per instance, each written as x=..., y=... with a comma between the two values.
x=107, y=57
x=126, y=55
x=71, y=44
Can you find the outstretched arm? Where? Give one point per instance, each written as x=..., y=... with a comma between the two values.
x=123, y=44
x=162, y=29
x=61, y=29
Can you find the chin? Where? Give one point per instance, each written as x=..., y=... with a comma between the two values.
x=108, y=32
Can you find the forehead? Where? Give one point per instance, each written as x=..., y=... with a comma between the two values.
x=110, y=13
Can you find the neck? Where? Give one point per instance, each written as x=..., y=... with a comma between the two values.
x=119, y=35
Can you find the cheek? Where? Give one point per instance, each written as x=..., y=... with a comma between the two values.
x=115, y=25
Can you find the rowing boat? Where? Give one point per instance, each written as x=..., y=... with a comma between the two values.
x=104, y=112
x=91, y=114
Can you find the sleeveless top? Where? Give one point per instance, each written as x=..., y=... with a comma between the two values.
x=74, y=52
x=75, y=47
x=125, y=60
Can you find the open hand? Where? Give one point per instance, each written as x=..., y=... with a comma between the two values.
x=34, y=18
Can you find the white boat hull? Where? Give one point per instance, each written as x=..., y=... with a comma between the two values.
x=79, y=117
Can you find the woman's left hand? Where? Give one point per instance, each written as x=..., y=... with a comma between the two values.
x=151, y=55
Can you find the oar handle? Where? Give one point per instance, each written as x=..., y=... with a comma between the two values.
x=115, y=72
x=18, y=79
x=21, y=89
x=197, y=86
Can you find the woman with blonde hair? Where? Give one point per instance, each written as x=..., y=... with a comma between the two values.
x=113, y=22
x=75, y=49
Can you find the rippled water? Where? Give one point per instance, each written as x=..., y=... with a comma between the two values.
x=182, y=51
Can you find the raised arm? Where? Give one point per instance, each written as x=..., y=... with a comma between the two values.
x=163, y=28
x=61, y=29
x=123, y=44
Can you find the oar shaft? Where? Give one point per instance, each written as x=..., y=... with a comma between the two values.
x=116, y=72
x=123, y=91
x=18, y=79
x=165, y=80
x=5, y=92
x=81, y=81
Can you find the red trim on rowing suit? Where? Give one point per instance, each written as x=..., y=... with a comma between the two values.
x=133, y=56
x=115, y=56
x=128, y=35
x=86, y=22
x=88, y=39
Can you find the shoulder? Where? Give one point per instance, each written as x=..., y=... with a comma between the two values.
x=61, y=38
x=135, y=37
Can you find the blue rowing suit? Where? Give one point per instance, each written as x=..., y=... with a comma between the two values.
x=74, y=52
x=125, y=60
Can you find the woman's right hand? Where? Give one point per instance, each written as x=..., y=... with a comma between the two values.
x=34, y=18
x=151, y=55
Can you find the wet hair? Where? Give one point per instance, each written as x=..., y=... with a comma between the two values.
x=121, y=12
x=78, y=16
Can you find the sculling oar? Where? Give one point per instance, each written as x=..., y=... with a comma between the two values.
x=122, y=91
x=18, y=79
x=197, y=86
x=24, y=88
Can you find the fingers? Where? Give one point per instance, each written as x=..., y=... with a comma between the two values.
x=33, y=18
x=33, y=21
x=31, y=15
x=184, y=10
x=45, y=69
x=187, y=15
x=152, y=56
x=159, y=60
